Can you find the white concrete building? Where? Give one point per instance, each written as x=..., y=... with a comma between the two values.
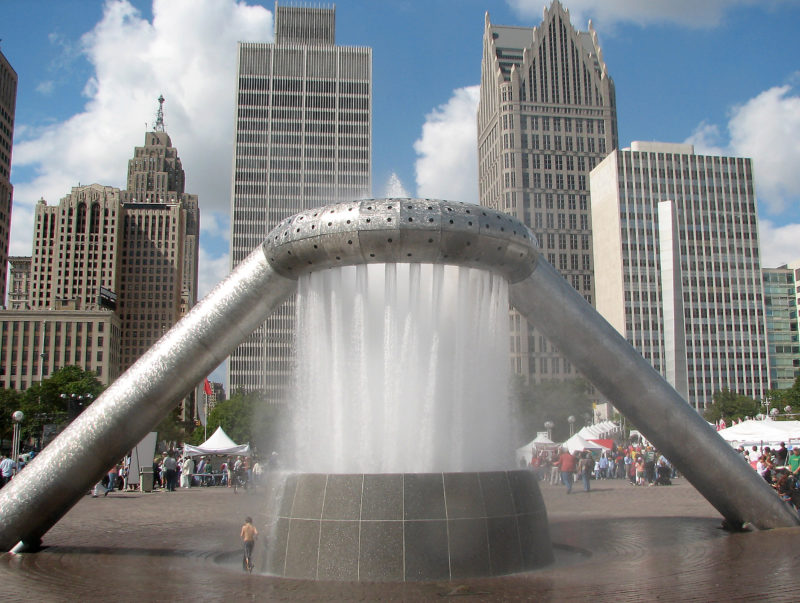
x=677, y=267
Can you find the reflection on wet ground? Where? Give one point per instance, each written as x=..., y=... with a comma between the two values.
x=617, y=543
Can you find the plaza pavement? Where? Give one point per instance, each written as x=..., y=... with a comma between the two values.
x=616, y=543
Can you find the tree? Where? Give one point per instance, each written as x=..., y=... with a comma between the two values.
x=549, y=401
x=57, y=400
x=246, y=418
x=781, y=398
x=730, y=405
x=10, y=401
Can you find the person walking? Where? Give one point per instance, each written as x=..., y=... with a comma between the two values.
x=170, y=466
x=585, y=468
x=249, y=535
x=566, y=465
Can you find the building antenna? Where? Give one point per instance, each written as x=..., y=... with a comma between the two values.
x=159, y=126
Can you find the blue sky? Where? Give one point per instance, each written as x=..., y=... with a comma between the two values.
x=722, y=74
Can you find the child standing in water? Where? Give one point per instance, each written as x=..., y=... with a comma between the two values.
x=249, y=535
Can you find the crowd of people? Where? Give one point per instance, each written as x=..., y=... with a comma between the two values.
x=645, y=466
x=172, y=471
x=640, y=465
x=779, y=467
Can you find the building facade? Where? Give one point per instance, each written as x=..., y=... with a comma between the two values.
x=303, y=138
x=677, y=266
x=547, y=116
x=126, y=260
x=780, y=305
x=8, y=102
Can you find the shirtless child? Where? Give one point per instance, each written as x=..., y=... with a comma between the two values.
x=249, y=535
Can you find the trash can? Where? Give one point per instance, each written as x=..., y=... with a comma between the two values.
x=146, y=479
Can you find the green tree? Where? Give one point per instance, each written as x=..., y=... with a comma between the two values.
x=781, y=398
x=10, y=401
x=246, y=418
x=730, y=405
x=55, y=401
x=549, y=401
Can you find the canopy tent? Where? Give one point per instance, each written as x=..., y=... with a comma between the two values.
x=218, y=443
x=577, y=443
x=602, y=430
x=540, y=442
x=767, y=432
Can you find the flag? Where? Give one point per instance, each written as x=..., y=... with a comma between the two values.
x=207, y=388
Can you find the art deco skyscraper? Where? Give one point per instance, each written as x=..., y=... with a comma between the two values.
x=677, y=263
x=303, y=139
x=547, y=116
x=8, y=102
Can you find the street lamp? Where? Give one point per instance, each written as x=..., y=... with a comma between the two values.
x=571, y=421
x=75, y=403
x=16, y=417
x=548, y=425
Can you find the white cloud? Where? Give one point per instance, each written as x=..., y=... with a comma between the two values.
x=767, y=129
x=188, y=54
x=690, y=13
x=779, y=244
x=447, y=164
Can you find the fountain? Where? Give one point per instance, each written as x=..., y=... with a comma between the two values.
x=409, y=523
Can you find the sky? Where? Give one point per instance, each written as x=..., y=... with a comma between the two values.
x=721, y=74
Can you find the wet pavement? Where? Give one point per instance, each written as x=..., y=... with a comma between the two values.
x=615, y=543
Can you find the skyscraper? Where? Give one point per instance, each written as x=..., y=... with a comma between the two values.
x=781, y=286
x=547, y=116
x=677, y=266
x=8, y=102
x=303, y=138
x=101, y=250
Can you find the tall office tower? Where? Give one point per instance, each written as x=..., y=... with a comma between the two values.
x=547, y=116
x=780, y=305
x=8, y=102
x=303, y=139
x=155, y=175
x=677, y=266
x=160, y=244
x=123, y=250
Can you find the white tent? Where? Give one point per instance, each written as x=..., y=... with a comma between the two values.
x=540, y=442
x=765, y=432
x=602, y=430
x=218, y=443
x=576, y=442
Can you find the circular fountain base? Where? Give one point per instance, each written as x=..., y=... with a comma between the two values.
x=407, y=527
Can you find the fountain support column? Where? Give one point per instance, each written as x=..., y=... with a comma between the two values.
x=65, y=470
x=598, y=351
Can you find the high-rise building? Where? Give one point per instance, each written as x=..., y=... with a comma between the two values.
x=303, y=138
x=126, y=257
x=677, y=266
x=547, y=116
x=780, y=305
x=8, y=102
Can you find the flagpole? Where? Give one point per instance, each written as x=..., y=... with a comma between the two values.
x=205, y=423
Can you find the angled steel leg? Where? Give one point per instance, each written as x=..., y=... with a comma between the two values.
x=644, y=396
x=60, y=476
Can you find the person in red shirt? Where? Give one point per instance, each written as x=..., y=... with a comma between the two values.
x=566, y=465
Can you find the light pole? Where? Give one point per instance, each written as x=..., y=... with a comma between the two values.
x=571, y=421
x=16, y=417
x=548, y=425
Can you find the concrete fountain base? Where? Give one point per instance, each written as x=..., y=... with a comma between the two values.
x=407, y=527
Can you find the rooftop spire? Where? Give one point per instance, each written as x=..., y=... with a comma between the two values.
x=159, y=126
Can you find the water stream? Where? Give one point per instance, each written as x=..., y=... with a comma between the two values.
x=402, y=368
